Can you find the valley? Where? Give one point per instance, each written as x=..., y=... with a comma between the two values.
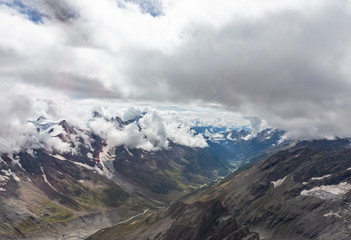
x=70, y=195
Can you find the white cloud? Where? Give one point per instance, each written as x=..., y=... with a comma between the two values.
x=284, y=61
x=130, y=113
x=152, y=131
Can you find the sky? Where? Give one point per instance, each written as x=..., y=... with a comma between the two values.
x=285, y=62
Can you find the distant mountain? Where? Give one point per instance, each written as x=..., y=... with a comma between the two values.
x=73, y=182
x=242, y=148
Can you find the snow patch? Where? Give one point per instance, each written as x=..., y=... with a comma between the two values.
x=106, y=161
x=278, y=182
x=90, y=155
x=105, y=153
x=95, y=169
x=59, y=157
x=229, y=137
x=283, y=139
x=320, y=178
x=130, y=154
x=3, y=179
x=214, y=136
x=30, y=152
x=331, y=213
x=16, y=160
x=10, y=173
x=46, y=180
x=247, y=137
x=217, y=137
x=83, y=165
x=2, y=189
x=81, y=181
x=10, y=156
x=328, y=192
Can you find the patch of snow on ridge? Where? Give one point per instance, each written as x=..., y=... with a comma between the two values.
x=59, y=157
x=83, y=165
x=247, y=137
x=217, y=137
x=15, y=159
x=46, y=180
x=328, y=192
x=3, y=179
x=95, y=169
x=229, y=137
x=283, y=139
x=320, y=178
x=31, y=152
x=130, y=154
x=278, y=182
x=106, y=162
x=331, y=213
x=10, y=173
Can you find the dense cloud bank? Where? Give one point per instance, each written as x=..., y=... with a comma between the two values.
x=150, y=130
x=284, y=61
x=146, y=128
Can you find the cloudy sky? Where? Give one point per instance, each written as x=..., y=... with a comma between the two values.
x=284, y=61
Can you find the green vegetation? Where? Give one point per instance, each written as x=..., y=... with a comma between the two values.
x=49, y=213
x=54, y=213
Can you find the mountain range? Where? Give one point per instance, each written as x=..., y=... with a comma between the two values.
x=302, y=192
x=46, y=193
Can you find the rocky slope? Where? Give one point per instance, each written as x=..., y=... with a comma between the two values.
x=303, y=192
x=41, y=195
x=199, y=220
x=299, y=193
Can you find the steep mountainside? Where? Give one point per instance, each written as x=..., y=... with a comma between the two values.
x=303, y=192
x=72, y=193
x=199, y=220
x=299, y=193
x=41, y=195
